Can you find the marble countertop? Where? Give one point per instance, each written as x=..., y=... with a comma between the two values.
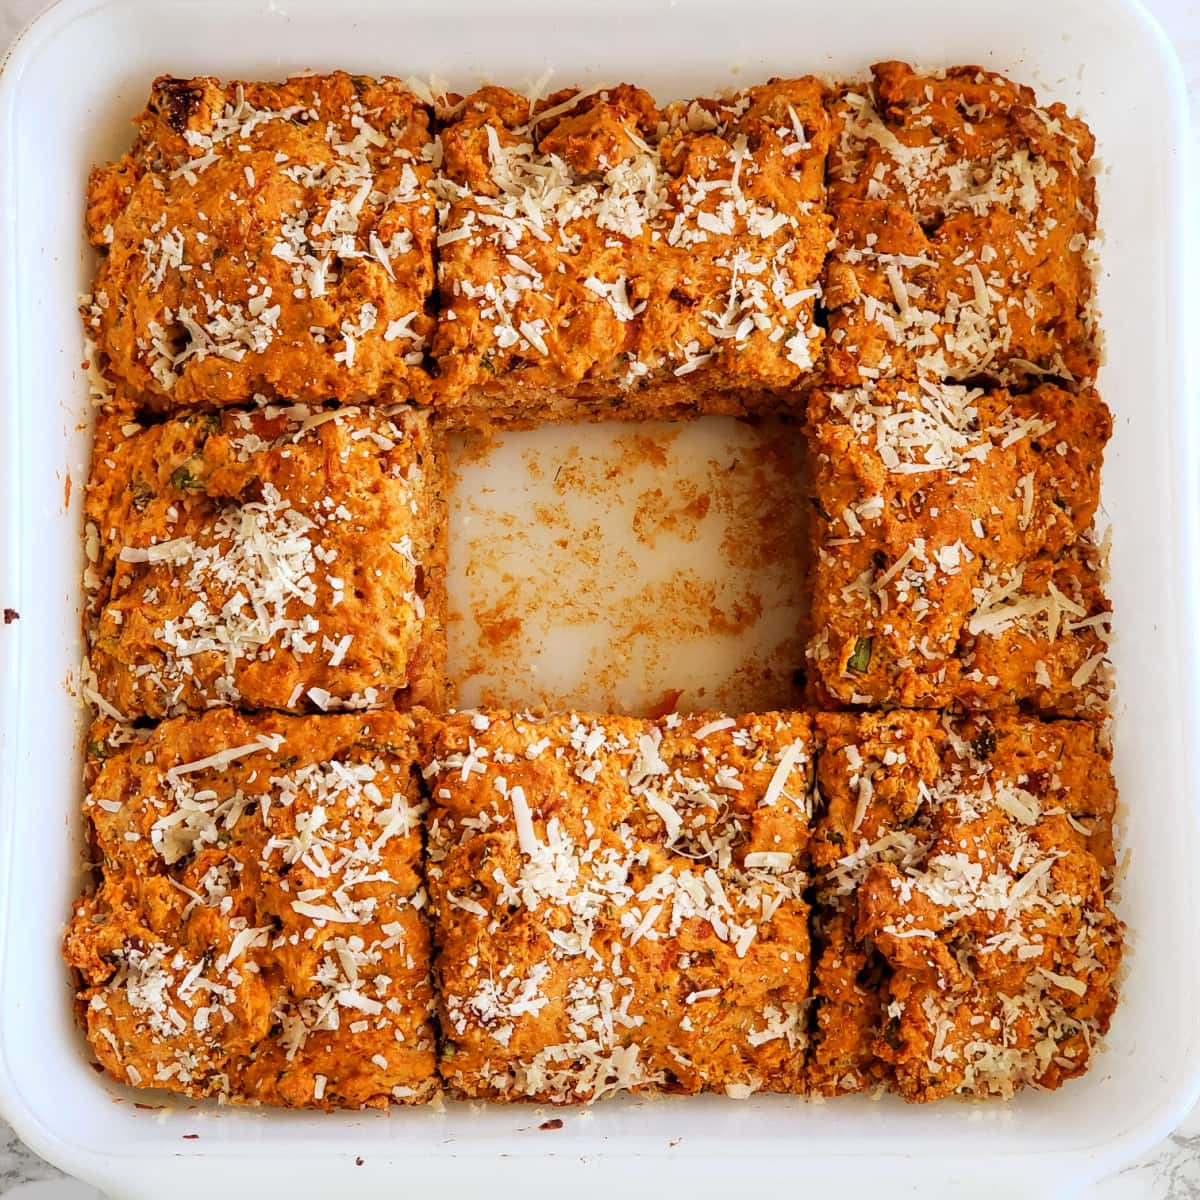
x=1170, y=1172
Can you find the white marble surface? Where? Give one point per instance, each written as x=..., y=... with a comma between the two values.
x=18, y=1164
x=1172, y=1170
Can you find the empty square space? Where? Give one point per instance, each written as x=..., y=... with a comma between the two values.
x=627, y=568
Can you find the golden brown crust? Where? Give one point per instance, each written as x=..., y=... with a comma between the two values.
x=963, y=867
x=619, y=904
x=608, y=249
x=951, y=562
x=286, y=558
x=267, y=238
x=964, y=215
x=255, y=933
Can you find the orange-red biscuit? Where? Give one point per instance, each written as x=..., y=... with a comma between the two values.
x=964, y=215
x=619, y=904
x=963, y=869
x=598, y=255
x=951, y=559
x=271, y=238
x=256, y=930
x=289, y=558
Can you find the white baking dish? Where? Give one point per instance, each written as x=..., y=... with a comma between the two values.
x=68, y=88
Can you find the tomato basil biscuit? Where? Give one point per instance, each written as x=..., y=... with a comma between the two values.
x=289, y=558
x=618, y=904
x=255, y=932
x=598, y=255
x=270, y=238
x=963, y=865
x=951, y=560
x=964, y=217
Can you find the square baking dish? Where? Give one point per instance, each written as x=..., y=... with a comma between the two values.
x=68, y=88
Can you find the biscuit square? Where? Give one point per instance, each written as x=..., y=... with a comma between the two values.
x=964, y=215
x=619, y=904
x=600, y=256
x=272, y=238
x=288, y=558
x=951, y=558
x=963, y=869
x=256, y=932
